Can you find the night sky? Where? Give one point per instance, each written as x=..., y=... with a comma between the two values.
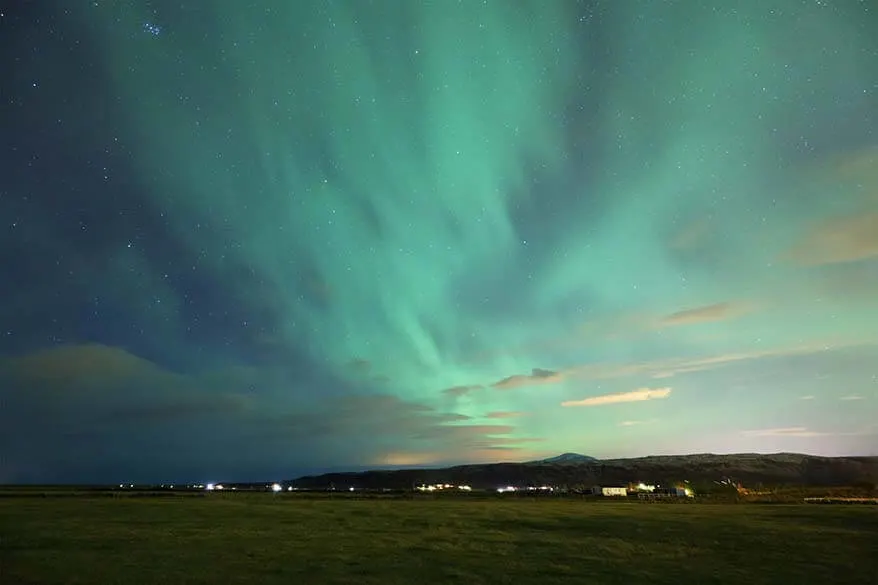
x=249, y=240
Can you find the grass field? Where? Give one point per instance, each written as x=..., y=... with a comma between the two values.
x=257, y=539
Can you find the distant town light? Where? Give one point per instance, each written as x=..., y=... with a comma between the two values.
x=210, y=487
x=276, y=487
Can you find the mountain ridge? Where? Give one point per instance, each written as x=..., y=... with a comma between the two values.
x=568, y=458
x=706, y=468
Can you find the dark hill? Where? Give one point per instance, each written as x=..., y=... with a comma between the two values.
x=775, y=469
x=565, y=459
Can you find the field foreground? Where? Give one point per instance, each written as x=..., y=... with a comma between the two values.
x=266, y=539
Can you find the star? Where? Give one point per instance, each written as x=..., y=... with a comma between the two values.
x=153, y=29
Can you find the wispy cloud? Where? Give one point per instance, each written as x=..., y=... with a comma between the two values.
x=488, y=454
x=634, y=423
x=669, y=368
x=504, y=414
x=639, y=395
x=845, y=239
x=859, y=165
x=360, y=365
x=805, y=432
x=852, y=397
x=706, y=314
x=808, y=397
x=537, y=376
x=691, y=235
x=457, y=391
x=661, y=369
x=784, y=432
x=452, y=432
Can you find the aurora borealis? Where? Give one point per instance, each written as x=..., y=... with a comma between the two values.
x=254, y=239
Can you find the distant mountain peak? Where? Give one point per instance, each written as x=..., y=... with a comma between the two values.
x=568, y=459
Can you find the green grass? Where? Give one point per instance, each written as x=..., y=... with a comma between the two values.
x=265, y=539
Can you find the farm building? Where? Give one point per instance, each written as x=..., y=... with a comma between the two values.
x=609, y=491
x=660, y=493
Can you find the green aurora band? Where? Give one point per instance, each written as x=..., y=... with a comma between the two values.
x=434, y=195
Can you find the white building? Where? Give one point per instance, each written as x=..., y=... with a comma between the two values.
x=609, y=491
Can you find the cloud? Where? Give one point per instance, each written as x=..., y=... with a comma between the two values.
x=387, y=420
x=784, y=432
x=406, y=459
x=639, y=395
x=93, y=364
x=504, y=414
x=668, y=368
x=706, y=314
x=805, y=432
x=523, y=440
x=457, y=391
x=846, y=239
x=852, y=397
x=808, y=397
x=104, y=385
x=110, y=403
x=360, y=365
x=859, y=167
x=492, y=454
x=848, y=283
x=664, y=368
x=455, y=417
x=536, y=377
x=635, y=423
x=184, y=408
x=106, y=399
x=464, y=432
x=691, y=235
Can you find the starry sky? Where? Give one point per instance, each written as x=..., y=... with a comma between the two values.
x=250, y=240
